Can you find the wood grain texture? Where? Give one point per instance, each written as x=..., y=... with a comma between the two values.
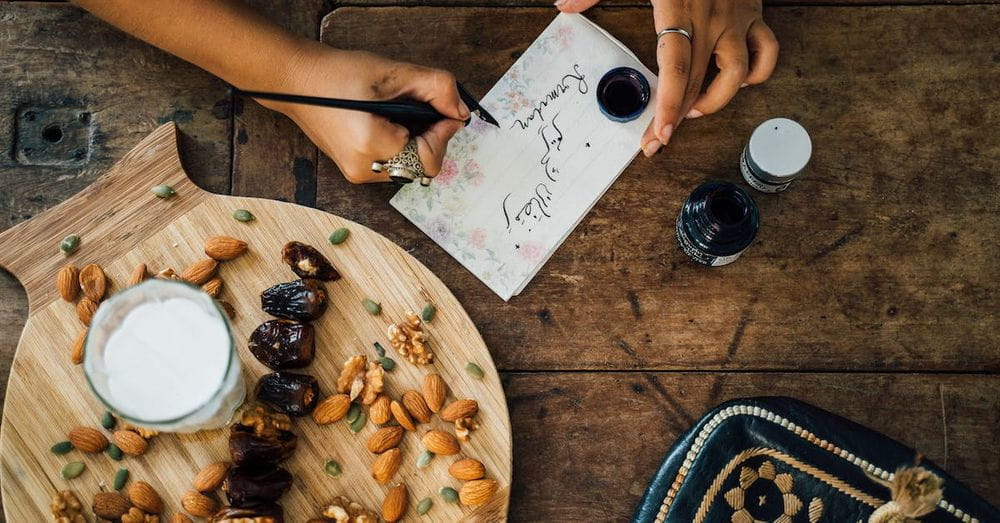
x=882, y=256
x=123, y=224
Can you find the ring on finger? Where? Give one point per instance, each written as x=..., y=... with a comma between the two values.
x=675, y=30
x=406, y=166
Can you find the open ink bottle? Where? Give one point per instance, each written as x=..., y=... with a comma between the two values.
x=623, y=94
x=717, y=223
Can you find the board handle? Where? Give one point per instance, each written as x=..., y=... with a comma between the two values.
x=108, y=216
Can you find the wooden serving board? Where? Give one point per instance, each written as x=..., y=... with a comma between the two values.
x=121, y=224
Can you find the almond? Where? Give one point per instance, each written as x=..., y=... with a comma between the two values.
x=200, y=272
x=199, y=505
x=395, y=503
x=440, y=442
x=434, y=391
x=85, y=309
x=224, y=248
x=402, y=416
x=213, y=287
x=384, y=439
x=144, y=496
x=88, y=440
x=467, y=470
x=331, y=409
x=380, y=412
x=228, y=308
x=478, y=492
x=415, y=403
x=67, y=282
x=210, y=476
x=93, y=282
x=130, y=442
x=459, y=409
x=76, y=355
x=386, y=465
x=180, y=518
x=138, y=275
x=110, y=505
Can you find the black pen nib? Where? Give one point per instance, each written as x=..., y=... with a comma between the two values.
x=487, y=117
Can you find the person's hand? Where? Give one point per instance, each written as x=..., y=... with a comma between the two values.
x=355, y=139
x=745, y=52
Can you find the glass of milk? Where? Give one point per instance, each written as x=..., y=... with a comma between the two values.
x=161, y=355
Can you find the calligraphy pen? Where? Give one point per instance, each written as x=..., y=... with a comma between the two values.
x=396, y=110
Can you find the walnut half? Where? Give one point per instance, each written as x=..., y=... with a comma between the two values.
x=343, y=510
x=66, y=508
x=464, y=427
x=410, y=340
x=357, y=382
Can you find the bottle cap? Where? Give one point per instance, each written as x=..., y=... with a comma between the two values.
x=623, y=94
x=778, y=150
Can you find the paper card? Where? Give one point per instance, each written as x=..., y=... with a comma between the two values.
x=507, y=198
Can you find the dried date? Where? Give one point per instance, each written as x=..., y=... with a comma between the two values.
x=246, y=448
x=302, y=300
x=247, y=485
x=293, y=394
x=283, y=344
x=307, y=262
x=255, y=513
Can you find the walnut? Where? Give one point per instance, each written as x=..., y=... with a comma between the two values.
x=374, y=383
x=265, y=421
x=356, y=381
x=410, y=341
x=343, y=510
x=168, y=274
x=144, y=432
x=464, y=427
x=137, y=516
x=66, y=508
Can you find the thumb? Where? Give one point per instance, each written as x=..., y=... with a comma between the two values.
x=432, y=145
x=575, y=6
x=439, y=89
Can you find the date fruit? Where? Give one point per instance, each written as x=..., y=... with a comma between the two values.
x=283, y=344
x=293, y=394
x=246, y=485
x=246, y=448
x=253, y=513
x=307, y=262
x=302, y=300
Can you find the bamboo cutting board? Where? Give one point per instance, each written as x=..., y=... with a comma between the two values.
x=121, y=223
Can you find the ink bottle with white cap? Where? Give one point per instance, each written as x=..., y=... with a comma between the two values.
x=777, y=152
x=717, y=223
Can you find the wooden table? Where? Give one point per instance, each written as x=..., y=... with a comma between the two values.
x=872, y=290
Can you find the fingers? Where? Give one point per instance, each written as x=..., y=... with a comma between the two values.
x=574, y=6
x=384, y=140
x=437, y=88
x=673, y=58
x=732, y=58
x=432, y=145
x=763, y=52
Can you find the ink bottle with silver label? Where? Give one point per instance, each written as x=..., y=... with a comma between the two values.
x=775, y=155
x=717, y=223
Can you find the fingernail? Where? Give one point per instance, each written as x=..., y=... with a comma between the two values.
x=744, y=84
x=694, y=113
x=463, y=110
x=666, y=132
x=650, y=147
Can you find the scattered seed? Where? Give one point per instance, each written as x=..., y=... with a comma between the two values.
x=243, y=215
x=379, y=349
x=108, y=420
x=339, y=236
x=163, y=191
x=332, y=468
x=63, y=447
x=474, y=370
x=353, y=412
x=359, y=423
x=69, y=244
x=449, y=495
x=388, y=363
x=424, y=505
x=425, y=459
x=73, y=469
x=120, y=478
x=428, y=313
x=114, y=452
x=373, y=308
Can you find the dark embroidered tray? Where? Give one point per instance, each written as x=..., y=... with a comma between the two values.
x=778, y=459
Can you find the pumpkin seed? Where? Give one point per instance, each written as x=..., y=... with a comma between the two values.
x=120, y=478
x=69, y=244
x=353, y=412
x=332, y=468
x=163, y=191
x=387, y=363
x=108, y=420
x=359, y=423
x=424, y=505
x=449, y=494
x=339, y=236
x=73, y=469
x=425, y=459
x=474, y=370
x=373, y=307
x=62, y=447
x=428, y=313
x=114, y=452
x=379, y=350
x=243, y=215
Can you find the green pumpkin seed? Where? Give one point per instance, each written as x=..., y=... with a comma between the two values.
x=474, y=370
x=387, y=363
x=114, y=452
x=73, y=469
x=120, y=478
x=424, y=505
x=359, y=423
x=428, y=313
x=379, y=350
x=373, y=307
x=69, y=244
x=425, y=459
x=449, y=494
x=108, y=420
x=353, y=412
x=63, y=447
x=339, y=236
x=332, y=468
x=243, y=215
x=163, y=191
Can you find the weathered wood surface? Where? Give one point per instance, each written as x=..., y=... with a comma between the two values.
x=882, y=256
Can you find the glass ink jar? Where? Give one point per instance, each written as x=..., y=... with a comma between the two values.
x=717, y=223
x=777, y=152
x=623, y=94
